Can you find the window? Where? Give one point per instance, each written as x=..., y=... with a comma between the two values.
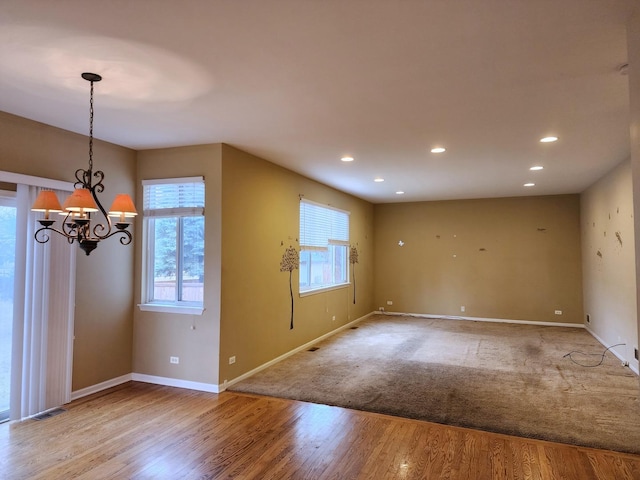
x=174, y=239
x=324, y=244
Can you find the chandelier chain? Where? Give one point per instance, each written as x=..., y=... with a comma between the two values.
x=91, y=130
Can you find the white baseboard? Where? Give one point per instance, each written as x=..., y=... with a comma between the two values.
x=227, y=383
x=83, y=392
x=203, y=387
x=482, y=319
x=632, y=364
x=175, y=382
x=141, y=377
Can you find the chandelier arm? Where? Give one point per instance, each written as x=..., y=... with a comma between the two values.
x=98, y=228
x=42, y=232
x=124, y=240
x=69, y=228
x=71, y=231
x=101, y=230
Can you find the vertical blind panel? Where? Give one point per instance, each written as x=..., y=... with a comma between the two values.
x=60, y=322
x=322, y=226
x=43, y=316
x=173, y=195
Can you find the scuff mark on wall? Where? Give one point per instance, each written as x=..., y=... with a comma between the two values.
x=542, y=230
x=599, y=253
x=619, y=237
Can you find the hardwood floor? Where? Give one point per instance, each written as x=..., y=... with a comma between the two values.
x=145, y=431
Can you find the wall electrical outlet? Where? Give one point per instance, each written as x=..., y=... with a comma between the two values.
x=389, y=302
x=558, y=312
x=462, y=308
x=381, y=309
x=232, y=360
x=333, y=318
x=175, y=360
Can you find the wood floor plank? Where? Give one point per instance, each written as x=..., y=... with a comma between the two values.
x=140, y=431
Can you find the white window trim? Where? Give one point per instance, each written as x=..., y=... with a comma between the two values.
x=313, y=291
x=10, y=177
x=165, y=181
x=181, y=308
x=170, y=308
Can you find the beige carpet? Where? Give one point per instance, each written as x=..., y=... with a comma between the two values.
x=505, y=378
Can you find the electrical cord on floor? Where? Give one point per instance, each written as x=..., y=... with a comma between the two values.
x=602, y=355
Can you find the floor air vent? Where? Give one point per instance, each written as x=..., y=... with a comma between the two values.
x=49, y=414
x=313, y=349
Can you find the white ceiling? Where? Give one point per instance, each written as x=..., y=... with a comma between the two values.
x=303, y=82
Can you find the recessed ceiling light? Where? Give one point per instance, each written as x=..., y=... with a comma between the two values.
x=378, y=179
x=536, y=167
x=548, y=139
x=438, y=150
x=529, y=184
x=347, y=159
x=399, y=192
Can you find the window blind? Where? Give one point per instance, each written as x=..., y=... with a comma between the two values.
x=321, y=226
x=173, y=196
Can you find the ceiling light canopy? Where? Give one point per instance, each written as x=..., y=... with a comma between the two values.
x=536, y=167
x=347, y=158
x=438, y=150
x=549, y=139
x=530, y=184
x=378, y=179
x=84, y=201
x=399, y=192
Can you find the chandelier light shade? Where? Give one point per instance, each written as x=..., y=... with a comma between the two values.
x=122, y=207
x=79, y=225
x=47, y=202
x=80, y=202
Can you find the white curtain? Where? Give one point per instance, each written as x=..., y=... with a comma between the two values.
x=44, y=295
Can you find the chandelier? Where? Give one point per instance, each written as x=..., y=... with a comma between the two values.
x=78, y=224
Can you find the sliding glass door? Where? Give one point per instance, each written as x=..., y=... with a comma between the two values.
x=7, y=271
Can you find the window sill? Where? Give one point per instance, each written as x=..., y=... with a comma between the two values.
x=164, y=308
x=306, y=293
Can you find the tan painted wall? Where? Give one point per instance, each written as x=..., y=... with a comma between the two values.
x=633, y=52
x=608, y=260
x=193, y=338
x=104, y=284
x=523, y=273
x=260, y=205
